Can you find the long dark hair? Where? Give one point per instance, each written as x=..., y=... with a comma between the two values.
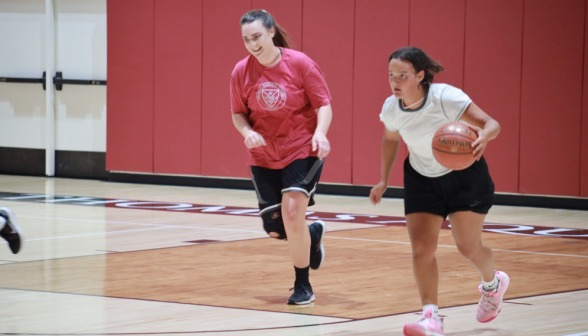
x=281, y=38
x=420, y=61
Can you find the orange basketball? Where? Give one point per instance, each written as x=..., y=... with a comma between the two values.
x=452, y=145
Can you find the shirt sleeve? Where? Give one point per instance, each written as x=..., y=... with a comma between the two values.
x=454, y=102
x=314, y=84
x=387, y=115
x=238, y=102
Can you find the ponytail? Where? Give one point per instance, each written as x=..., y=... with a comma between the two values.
x=281, y=38
x=420, y=62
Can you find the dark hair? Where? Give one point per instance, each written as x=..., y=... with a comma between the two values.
x=281, y=38
x=420, y=61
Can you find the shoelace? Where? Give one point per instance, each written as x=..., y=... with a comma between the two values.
x=301, y=286
x=438, y=322
x=489, y=299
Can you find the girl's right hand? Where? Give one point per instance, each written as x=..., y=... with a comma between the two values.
x=254, y=139
x=377, y=192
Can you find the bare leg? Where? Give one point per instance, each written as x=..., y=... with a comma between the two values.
x=423, y=229
x=466, y=227
x=294, y=206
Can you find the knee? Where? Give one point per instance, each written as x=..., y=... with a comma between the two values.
x=294, y=210
x=273, y=224
x=469, y=250
x=423, y=251
x=290, y=214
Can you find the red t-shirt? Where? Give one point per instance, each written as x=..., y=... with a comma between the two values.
x=280, y=102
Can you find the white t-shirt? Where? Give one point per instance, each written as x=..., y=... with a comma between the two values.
x=442, y=104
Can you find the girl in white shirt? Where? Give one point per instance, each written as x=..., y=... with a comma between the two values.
x=432, y=193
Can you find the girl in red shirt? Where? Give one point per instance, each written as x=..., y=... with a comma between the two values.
x=280, y=103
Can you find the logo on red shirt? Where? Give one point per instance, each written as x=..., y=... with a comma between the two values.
x=271, y=96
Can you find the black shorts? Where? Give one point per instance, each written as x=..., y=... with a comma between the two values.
x=301, y=175
x=470, y=189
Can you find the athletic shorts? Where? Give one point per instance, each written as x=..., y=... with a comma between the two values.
x=470, y=189
x=301, y=175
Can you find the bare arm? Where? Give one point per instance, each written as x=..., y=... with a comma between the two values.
x=389, y=151
x=319, y=140
x=486, y=128
x=252, y=138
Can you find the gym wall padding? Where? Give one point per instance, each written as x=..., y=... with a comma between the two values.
x=492, y=78
x=169, y=65
x=584, y=143
x=129, y=127
x=327, y=38
x=178, y=86
x=551, y=97
x=438, y=27
x=223, y=151
x=376, y=37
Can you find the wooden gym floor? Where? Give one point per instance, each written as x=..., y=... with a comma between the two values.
x=127, y=259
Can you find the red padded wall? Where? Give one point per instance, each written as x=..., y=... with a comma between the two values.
x=437, y=27
x=288, y=14
x=584, y=144
x=551, y=100
x=178, y=79
x=130, y=86
x=376, y=37
x=223, y=150
x=493, y=51
x=327, y=38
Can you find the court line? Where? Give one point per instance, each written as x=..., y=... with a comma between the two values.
x=341, y=319
x=452, y=246
x=143, y=224
x=90, y=234
x=251, y=231
x=345, y=319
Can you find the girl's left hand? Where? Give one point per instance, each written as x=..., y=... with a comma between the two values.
x=320, y=141
x=479, y=145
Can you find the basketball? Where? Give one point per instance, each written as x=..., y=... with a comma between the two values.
x=452, y=145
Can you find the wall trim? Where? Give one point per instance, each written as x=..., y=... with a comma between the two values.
x=71, y=164
x=92, y=165
x=556, y=202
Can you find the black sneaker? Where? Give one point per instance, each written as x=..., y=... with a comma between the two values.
x=11, y=232
x=317, y=249
x=302, y=294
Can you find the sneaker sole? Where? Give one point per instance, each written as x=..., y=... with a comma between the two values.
x=492, y=318
x=302, y=302
x=13, y=225
x=410, y=330
x=321, y=243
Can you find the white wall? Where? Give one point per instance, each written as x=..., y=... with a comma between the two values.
x=22, y=54
x=80, y=44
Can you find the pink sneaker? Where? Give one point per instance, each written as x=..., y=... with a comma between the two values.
x=490, y=304
x=426, y=325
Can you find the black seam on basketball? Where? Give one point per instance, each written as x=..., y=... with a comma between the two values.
x=455, y=153
x=454, y=134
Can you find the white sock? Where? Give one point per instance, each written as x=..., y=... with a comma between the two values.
x=2, y=222
x=490, y=286
x=434, y=309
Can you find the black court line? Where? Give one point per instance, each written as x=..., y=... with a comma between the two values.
x=349, y=320
x=518, y=303
x=513, y=229
x=181, y=303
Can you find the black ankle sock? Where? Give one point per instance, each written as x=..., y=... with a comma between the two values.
x=302, y=275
